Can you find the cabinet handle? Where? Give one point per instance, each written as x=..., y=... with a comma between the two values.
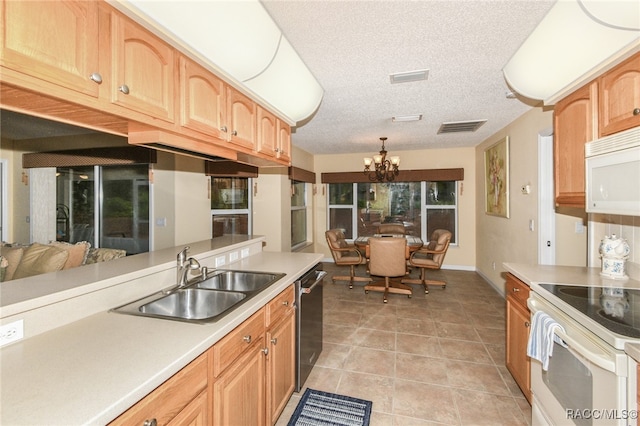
x=285, y=303
x=152, y=422
x=247, y=338
x=515, y=290
x=527, y=324
x=636, y=111
x=96, y=77
x=265, y=351
x=124, y=89
x=234, y=133
x=223, y=129
x=274, y=341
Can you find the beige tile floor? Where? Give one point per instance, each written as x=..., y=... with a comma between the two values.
x=431, y=359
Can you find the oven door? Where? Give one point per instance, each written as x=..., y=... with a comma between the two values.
x=586, y=383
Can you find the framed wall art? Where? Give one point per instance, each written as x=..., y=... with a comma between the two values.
x=496, y=178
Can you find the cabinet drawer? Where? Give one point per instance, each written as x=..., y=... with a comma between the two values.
x=236, y=342
x=517, y=289
x=280, y=305
x=168, y=399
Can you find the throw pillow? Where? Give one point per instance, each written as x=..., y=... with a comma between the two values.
x=40, y=259
x=97, y=255
x=77, y=252
x=13, y=256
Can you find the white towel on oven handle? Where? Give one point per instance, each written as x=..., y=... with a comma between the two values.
x=542, y=336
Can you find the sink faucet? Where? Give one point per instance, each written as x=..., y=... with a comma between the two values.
x=191, y=264
x=185, y=265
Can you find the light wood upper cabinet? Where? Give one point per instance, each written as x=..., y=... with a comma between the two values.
x=241, y=117
x=619, y=91
x=267, y=133
x=573, y=120
x=55, y=41
x=517, y=334
x=143, y=69
x=284, y=142
x=274, y=137
x=202, y=100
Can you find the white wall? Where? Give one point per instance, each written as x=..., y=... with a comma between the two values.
x=501, y=239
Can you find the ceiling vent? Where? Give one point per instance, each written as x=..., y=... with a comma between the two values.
x=408, y=76
x=460, y=126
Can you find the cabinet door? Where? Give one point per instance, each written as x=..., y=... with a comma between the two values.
x=267, y=133
x=517, y=336
x=242, y=119
x=143, y=69
x=284, y=142
x=239, y=393
x=573, y=127
x=55, y=41
x=620, y=97
x=281, y=362
x=194, y=414
x=202, y=99
x=171, y=397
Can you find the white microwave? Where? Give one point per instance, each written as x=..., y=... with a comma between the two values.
x=612, y=167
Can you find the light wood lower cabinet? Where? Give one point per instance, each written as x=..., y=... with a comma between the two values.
x=182, y=397
x=281, y=361
x=254, y=366
x=239, y=393
x=517, y=334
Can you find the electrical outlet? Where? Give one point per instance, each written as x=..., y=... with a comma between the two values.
x=244, y=253
x=493, y=265
x=220, y=261
x=11, y=332
x=233, y=256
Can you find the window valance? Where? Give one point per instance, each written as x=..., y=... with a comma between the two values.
x=105, y=156
x=430, y=175
x=301, y=175
x=230, y=169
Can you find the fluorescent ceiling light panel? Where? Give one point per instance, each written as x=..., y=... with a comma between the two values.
x=415, y=117
x=408, y=76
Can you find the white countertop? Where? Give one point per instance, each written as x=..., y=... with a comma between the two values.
x=572, y=275
x=93, y=369
x=566, y=275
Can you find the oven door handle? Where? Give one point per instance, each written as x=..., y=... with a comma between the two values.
x=582, y=352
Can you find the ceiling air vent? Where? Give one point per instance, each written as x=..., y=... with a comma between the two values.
x=460, y=126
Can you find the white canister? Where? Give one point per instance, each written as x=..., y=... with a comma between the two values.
x=614, y=252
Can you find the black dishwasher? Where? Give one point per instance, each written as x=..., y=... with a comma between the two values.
x=309, y=322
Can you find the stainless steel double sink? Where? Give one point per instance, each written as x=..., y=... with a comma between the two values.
x=204, y=300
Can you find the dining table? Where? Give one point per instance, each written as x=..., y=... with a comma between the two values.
x=413, y=243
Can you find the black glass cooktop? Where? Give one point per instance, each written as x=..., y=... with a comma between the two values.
x=617, y=309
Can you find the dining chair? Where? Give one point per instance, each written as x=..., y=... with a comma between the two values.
x=391, y=228
x=345, y=254
x=431, y=257
x=388, y=259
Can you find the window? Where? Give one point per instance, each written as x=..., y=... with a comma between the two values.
x=118, y=217
x=422, y=207
x=298, y=213
x=341, y=207
x=230, y=206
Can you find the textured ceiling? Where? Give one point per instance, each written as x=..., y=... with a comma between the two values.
x=351, y=47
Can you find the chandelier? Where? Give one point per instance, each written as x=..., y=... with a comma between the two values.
x=384, y=169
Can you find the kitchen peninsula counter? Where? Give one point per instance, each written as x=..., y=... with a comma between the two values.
x=91, y=370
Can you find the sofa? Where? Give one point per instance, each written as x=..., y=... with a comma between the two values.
x=23, y=261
